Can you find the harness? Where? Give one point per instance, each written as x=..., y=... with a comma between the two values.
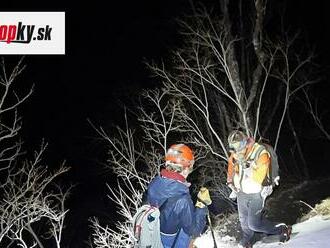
x=248, y=160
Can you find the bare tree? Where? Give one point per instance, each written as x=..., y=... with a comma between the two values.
x=31, y=207
x=27, y=204
x=228, y=74
x=314, y=111
x=228, y=80
x=10, y=122
x=135, y=162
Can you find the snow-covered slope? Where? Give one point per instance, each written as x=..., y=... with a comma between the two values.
x=312, y=233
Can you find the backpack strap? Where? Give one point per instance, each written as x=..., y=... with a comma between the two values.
x=137, y=225
x=255, y=153
x=254, y=157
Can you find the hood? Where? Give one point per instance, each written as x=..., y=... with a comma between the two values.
x=162, y=188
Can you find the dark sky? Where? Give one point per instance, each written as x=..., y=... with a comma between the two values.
x=105, y=50
x=103, y=66
x=106, y=44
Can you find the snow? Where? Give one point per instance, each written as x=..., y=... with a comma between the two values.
x=312, y=233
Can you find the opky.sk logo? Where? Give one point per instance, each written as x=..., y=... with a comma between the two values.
x=21, y=33
x=32, y=32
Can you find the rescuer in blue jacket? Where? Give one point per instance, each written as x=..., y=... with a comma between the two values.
x=180, y=220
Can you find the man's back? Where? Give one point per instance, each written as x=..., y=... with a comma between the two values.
x=170, y=195
x=178, y=211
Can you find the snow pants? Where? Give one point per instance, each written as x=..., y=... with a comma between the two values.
x=251, y=218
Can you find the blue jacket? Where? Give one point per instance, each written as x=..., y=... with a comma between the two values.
x=177, y=211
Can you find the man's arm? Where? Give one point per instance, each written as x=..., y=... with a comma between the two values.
x=230, y=170
x=192, y=220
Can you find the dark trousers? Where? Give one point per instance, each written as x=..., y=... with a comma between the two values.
x=251, y=218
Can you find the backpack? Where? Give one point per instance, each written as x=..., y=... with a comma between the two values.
x=273, y=175
x=146, y=227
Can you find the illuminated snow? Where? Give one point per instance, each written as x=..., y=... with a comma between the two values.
x=313, y=233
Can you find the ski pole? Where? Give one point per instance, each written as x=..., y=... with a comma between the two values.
x=212, y=232
x=210, y=223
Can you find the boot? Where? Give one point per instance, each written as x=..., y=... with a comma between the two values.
x=285, y=233
x=248, y=245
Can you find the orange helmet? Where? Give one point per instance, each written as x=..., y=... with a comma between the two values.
x=181, y=155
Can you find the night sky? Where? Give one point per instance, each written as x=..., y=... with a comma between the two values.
x=106, y=45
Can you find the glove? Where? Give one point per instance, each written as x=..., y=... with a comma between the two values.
x=266, y=191
x=233, y=195
x=232, y=187
x=203, y=198
x=234, y=190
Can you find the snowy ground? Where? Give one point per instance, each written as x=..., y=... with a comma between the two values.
x=313, y=233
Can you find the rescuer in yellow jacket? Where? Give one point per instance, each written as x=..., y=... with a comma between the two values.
x=248, y=165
